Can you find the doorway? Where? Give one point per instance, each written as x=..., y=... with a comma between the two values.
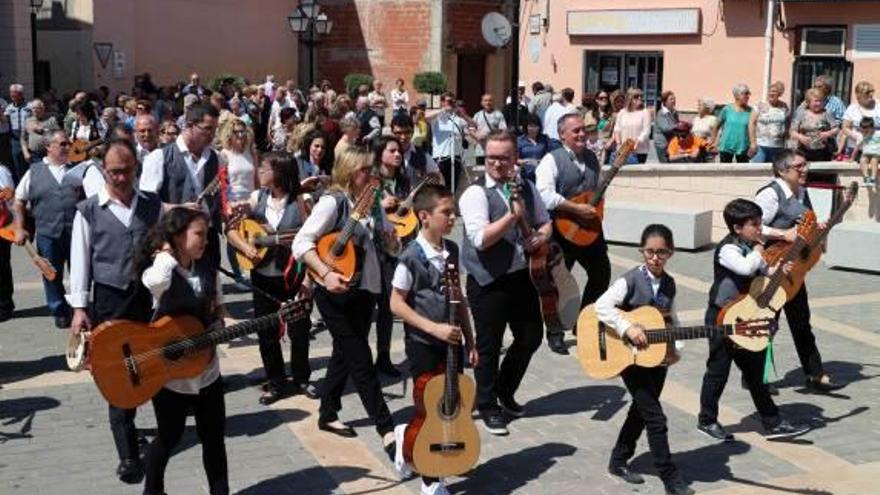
x=808, y=68
x=471, y=76
x=608, y=71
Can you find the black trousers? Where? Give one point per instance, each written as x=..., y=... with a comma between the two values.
x=722, y=352
x=645, y=413
x=384, y=317
x=727, y=157
x=131, y=304
x=797, y=311
x=509, y=300
x=446, y=166
x=171, y=409
x=594, y=260
x=270, y=340
x=348, y=318
x=6, y=286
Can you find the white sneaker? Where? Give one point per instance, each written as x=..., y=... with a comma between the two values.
x=435, y=488
x=400, y=464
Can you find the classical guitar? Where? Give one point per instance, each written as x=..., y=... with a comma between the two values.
x=404, y=219
x=603, y=354
x=254, y=234
x=806, y=250
x=8, y=230
x=79, y=149
x=557, y=288
x=442, y=440
x=585, y=232
x=336, y=249
x=212, y=187
x=132, y=361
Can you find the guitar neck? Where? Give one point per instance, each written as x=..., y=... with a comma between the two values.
x=453, y=354
x=660, y=335
x=603, y=186
x=216, y=337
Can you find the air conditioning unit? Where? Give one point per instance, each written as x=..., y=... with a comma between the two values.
x=823, y=42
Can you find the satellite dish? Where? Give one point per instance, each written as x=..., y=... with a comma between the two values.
x=496, y=29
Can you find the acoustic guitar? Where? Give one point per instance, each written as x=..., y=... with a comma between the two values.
x=442, y=440
x=80, y=148
x=254, y=234
x=132, y=361
x=604, y=354
x=336, y=249
x=582, y=232
x=212, y=187
x=806, y=250
x=8, y=231
x=557, y=288
x=404, y=219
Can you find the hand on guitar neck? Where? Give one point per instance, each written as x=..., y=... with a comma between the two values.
x=533, y=239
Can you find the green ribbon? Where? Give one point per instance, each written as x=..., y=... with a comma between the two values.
x=505, y=190
x=769, y=363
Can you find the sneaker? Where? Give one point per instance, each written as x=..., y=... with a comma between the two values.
x=400, y=464
x=511, y=407
x=495, y=423
x=716, y=431
x=435, y=488
x=784, y=429
x=626, y=474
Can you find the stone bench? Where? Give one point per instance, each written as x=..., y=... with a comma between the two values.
x=624, y=222
x=854, y=245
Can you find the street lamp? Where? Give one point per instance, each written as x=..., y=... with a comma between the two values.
x=36, y=5
x=308, y=22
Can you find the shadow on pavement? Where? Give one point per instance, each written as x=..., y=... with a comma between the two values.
x=23, y=410
x=510, y=472
x=606, y=400
x=317, y=480
x=842, y=371
x=14, y=371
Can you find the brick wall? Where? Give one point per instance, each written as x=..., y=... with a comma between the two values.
x=463, y=23
x=387, y=39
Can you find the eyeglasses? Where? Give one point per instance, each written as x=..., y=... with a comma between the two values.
x=660, y=253
x=498, y=160
x=64, y=144
x=638, y=96
x=799, y=166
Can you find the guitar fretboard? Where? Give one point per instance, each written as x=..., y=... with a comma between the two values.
x=659, y=335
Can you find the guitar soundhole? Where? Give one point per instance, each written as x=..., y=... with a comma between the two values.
x=450, y=415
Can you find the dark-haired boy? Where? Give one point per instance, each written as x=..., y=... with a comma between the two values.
x=418, y=298
x=737, y=261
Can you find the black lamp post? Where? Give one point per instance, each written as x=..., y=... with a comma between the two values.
x=308, y=22
x=36, y=5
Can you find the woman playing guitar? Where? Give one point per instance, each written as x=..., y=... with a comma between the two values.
x=182, y=283
x=347, y=302
x=278, y=207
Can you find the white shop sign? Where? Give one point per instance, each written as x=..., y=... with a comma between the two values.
x=633, y=22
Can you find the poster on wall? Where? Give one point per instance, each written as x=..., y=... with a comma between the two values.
x=118, y=64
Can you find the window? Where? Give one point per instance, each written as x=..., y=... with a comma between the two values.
x=866, y=41
x=823, y=42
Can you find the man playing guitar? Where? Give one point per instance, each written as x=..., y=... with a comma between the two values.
x=783, y=201
x=561, y=175
x=499, y=290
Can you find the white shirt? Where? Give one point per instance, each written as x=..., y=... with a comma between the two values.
x=6, y=181
x=474, y=208
x=23, y=191
x=403, y=278
x=545, y=178
x=551, y=118
x=486, y=123
x=153, y=170
x=607, y=305
x=430, y=165
x=399, y=99
x=81, y=247
x=731, y=257
x=142, y=152
x=769, y=203
x=321, y=220
x=854, y=114
x=274, y=208
x=446, y=135
x=240, y=173
x=157, y=278
x=93, y=180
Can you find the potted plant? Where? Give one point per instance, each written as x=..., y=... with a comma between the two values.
x=355, y=80
x=430, y=83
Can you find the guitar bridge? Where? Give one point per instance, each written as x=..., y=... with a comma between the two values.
x=131, y=365
x=447, y=447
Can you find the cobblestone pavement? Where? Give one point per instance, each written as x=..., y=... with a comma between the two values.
x=55, y=439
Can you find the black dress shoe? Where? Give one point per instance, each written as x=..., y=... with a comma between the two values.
x=130, y=471
x=556, y=342
x=716, y=431
x=677, y=487
x=345, y=432
x=511, y=407
x=822, y=384
x=273, y=393
x=386, y=367
x=624, y=473
x=62, y=321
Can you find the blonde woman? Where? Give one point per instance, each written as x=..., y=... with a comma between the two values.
x=814, y=128
x=238, y=155
x=296, y=138
x=634, y=122
x=347, y=305
x=864, y=106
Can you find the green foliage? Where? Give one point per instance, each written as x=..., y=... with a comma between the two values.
x=354, y=80
x=432, y=83
x=238, y=81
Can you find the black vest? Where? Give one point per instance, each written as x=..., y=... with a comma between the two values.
x=726, y=285
x=53, y=205
x=640, y=293
x=426, y=296
x=181, y=299
x=276, y=260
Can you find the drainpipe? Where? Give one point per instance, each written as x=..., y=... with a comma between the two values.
x=768, y=45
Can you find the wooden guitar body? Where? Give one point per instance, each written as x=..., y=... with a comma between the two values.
x=579, y=232
x=603, y=354
x=127, y=373
x=344, y=263
x=437, y=445
x=804, y=261
x=250, y=230
x=557, y=288
x=747, y=307
x=406, y=223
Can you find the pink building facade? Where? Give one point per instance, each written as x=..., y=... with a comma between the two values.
x=700, y=48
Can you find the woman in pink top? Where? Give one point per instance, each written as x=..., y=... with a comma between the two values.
x=634, y=122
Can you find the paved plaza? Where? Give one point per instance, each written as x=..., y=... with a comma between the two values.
x=55, y=438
